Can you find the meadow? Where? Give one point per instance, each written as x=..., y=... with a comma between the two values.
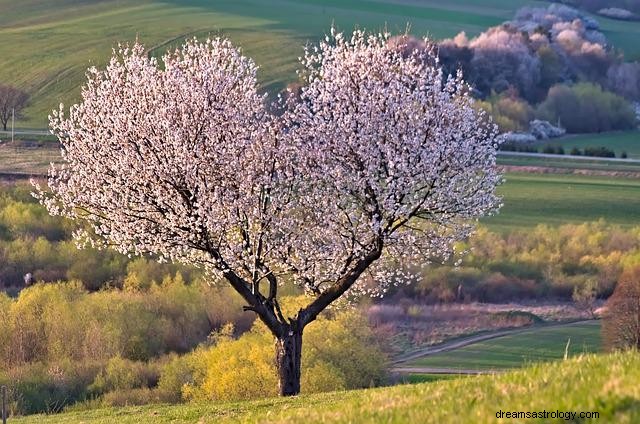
x=535, y=345
x=624, y=141
x=47, y=47
x=606, y=384
x=562, y=164
x=529, y=199
x=553, y=199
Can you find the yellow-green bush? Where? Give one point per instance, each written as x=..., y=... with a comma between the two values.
x=338, y=352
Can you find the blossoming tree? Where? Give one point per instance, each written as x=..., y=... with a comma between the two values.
x=379, y=162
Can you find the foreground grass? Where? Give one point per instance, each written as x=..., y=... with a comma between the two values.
x=606, y=384
x=535, y=345
x=532, y=199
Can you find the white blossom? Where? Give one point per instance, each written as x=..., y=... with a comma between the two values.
x=381, y=162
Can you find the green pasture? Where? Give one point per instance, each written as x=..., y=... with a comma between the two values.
x=529, y=199
x=555, y=199
x=534, y=345
x=606, y=384
x=47, y=46
x=566, y=164
x=624, y=141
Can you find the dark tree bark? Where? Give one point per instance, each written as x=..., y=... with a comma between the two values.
x=288, y=331
x=288, y=360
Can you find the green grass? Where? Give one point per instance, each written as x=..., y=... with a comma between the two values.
x=535, y=345
x=47, y=46
x=529, y=199
x=532, y=199
x=607, y=384
x=562, y=162
x=428, y=378
x=626, y=141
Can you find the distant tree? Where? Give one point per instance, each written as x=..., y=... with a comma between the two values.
x=12, y=100
x=586, y=108
x=585, y=296
x=381, y=161
x=621, y=321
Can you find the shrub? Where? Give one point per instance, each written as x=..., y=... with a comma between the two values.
x=342, y=353
x=586, y=108
x=620, y=326
x=602, y=152
x=122, y=374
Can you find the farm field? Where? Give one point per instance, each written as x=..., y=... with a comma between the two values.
x=568, y=164
x=27, y=157
x=624, y=141
x=47, y=47
x=606, y=384
x=529, y=199
x=517, y=350
x=532, y=199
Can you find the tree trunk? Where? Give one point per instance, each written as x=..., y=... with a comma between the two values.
x=288, y=358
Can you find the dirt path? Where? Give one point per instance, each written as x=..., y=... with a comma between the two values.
x=457, y=344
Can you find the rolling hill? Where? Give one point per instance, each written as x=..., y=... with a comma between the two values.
x=47, y=45
x=604, y=384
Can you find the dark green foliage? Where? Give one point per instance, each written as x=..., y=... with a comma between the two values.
x=586, y=108
x=602, y=152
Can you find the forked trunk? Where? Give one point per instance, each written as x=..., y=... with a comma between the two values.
x=288, y=358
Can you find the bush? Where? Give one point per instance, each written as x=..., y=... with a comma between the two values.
x=602, y=152
x=508, y=111
x=341, y=353
x=620, y=326
x=122, y=374
x=586, y=108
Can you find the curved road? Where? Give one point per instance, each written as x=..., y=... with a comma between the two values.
x=457, y=344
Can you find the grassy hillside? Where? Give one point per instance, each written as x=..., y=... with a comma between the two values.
x=535, y=345
x=603, y=384
x=47, y=46
x=531, y=199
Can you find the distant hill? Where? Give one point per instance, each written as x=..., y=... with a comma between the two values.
x=47, y=45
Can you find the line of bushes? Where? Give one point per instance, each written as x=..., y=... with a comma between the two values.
x=62, y=345
x=543, y=263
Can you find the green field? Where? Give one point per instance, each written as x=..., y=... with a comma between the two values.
x=529, y=199
x=535, y=345
x=561, y=162
x=605, y=384
x=532, y=199
x=626, y=141
x=47, y=46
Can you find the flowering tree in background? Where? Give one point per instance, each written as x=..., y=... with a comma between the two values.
x=378, y=163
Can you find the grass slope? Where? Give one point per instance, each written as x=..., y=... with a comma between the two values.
x=535, y=345
x=606, y=384
x=47, y=46
x=532, y=199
